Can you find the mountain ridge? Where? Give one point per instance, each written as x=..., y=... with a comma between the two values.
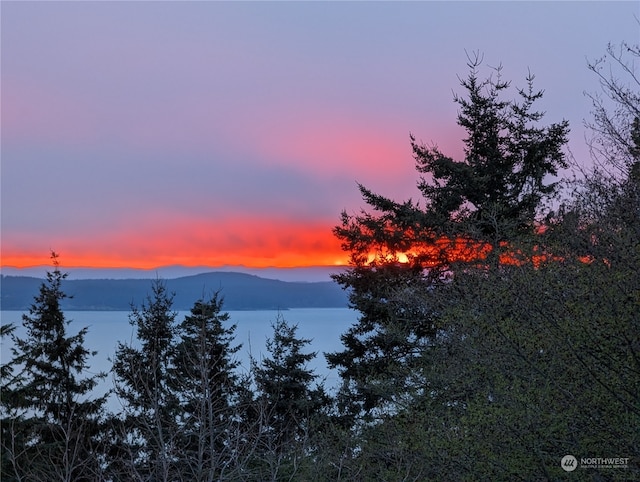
x=241, y=291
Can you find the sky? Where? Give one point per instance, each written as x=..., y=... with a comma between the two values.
x=144, y=134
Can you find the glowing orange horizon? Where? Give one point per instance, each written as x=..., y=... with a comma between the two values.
x=445, y=251
x=459, y=250
x=22, y=262
x=253, y=243
x=89, y=260
x=159, y=240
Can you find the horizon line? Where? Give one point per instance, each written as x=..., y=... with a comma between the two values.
x=185, y=266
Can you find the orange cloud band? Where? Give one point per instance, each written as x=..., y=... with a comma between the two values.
x=247, y=241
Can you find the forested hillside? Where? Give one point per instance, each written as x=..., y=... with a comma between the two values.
x=240, y=291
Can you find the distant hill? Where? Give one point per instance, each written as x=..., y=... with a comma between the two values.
x=240, y=291
x=305, y=273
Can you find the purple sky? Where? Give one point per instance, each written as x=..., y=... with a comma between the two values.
x=150, y=133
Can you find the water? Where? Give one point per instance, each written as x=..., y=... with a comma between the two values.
x=106, y=328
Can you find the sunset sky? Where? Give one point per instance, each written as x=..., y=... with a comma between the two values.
x=143, y=134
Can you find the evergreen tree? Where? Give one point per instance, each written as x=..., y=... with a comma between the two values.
x=13, y=442
x=526, y=361
x=290, y=405
x=145, y=439
x=285, y=383
x=473, y=210
x=50, y=423
x=205, y=379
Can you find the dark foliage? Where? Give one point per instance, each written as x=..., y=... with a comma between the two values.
x=471, y=210
x=146, y=434
x=51, y=425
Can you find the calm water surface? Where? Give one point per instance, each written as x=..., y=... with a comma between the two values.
x=106, y=328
